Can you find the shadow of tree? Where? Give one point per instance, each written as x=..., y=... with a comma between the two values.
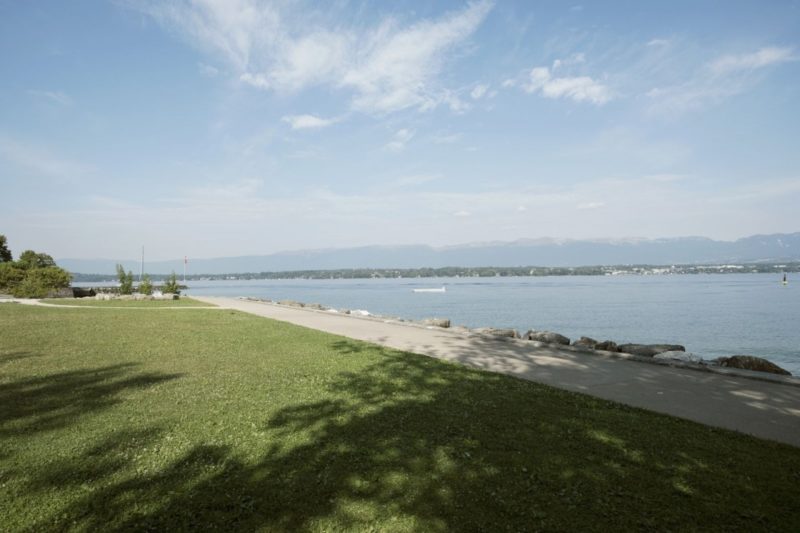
x=10, y=357
x=409, y=443
x=56, y=400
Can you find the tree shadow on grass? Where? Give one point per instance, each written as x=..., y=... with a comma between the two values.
x=10, y=357
x=57, y=400
x=409, y=443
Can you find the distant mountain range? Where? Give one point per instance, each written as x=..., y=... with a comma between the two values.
x=533, y=252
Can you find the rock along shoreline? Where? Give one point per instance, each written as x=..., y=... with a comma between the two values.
x=674, y=355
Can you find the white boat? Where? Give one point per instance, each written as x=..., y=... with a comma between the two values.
x=442, y=289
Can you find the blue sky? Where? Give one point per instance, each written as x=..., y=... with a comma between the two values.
x=235, y=127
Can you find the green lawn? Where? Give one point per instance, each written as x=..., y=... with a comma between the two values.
x=172, y=421
x=91, y=302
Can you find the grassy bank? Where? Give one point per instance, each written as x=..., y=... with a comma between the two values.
x=91, y=302
x=174, y=421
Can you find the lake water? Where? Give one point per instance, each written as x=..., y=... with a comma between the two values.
x=712, y=315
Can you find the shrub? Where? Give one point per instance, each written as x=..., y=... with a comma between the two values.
x=11, y=275
x=125, y=280
x=33, y=275
x=171, y=285
x=42, y=282
x=146, y=286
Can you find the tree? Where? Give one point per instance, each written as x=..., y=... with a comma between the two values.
x=30, y=259
x=11, y=275
x=42, y=282
x=33, y=275
x=171, y=285
x=125, y=280
x=5, y=253
x=146, y=286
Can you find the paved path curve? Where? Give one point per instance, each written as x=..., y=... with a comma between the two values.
x=31, y=301
x=765, y=409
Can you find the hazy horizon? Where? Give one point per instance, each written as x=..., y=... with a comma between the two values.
x=244, y=127
x=632, y=239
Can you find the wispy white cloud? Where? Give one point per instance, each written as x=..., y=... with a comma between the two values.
x=479, y=91
x=716, y=81
x=276, y=47
x=574, y=59
x=207, y=70
x=763, y=57
x=446, y=138
x=658, y=42
x=580, y=88
x=399, y=140
x=52, y=96
x=397, y=68
x=308, y=122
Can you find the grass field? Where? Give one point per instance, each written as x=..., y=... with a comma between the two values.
x=169, y=420
x=91, y=302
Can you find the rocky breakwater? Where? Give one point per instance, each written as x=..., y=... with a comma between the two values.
x=657, y=353
x=750, y=362
x=137, y=296
x=548, y=337
x=661, y=353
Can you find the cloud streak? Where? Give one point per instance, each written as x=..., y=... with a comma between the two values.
x=308, y=122
x=399, y=140
x=541, y=80
x=387, y=68
x=53, y=96
x=722, y=78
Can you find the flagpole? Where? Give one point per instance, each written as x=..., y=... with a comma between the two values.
x=141, y=270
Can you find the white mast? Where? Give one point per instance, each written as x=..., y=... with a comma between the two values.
x=141, y=270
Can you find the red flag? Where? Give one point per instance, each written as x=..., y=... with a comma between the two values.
x=185, y=260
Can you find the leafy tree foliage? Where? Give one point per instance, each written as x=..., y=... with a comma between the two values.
x=171, y=284
x=146, y=286
x=31, y=259
x=11, y=275
x=125, y=280
x=41, y=282
x=34, y=275
x=5, y=253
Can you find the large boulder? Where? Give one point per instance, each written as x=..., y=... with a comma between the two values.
x=751, y=362
x=83, y=292
x=291, y=303
x=319, y=307
x=686, y=357
x=499, y=332
x=607, y=346
x=437, y=322
x=549, y=337
x=585, y=342
x=649, y=350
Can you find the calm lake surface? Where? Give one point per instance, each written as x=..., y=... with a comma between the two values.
x=712, y=315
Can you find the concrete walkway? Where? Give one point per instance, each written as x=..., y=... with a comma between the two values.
x=764, y=409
